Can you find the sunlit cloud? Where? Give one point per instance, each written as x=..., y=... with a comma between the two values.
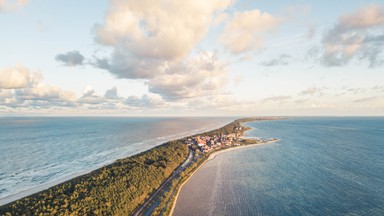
x=16, y=77
x=246, y=30
x=153, y=41
x=356, y=36
x=12, y=5
x=203, y=57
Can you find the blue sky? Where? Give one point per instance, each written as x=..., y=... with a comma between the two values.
x=191, y=58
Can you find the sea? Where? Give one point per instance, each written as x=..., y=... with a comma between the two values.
x=39, y=152
x=321, y=166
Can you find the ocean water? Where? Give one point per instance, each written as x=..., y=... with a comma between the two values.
x=321, y=166
x=37, y=152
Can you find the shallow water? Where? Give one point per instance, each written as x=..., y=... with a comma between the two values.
x=321, y=166
x=36, y=151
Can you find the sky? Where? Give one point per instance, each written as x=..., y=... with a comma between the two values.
x=191, y=58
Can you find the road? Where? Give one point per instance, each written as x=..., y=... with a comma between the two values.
x=174, y=175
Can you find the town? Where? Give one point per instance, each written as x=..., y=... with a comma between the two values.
x=207, y=143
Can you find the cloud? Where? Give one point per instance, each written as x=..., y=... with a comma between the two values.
x=281, y=98
x=111, y=93
x=245, y=31
x=38, y=97
x=144, y=101
x=378, y=88
x=16, y=77
x=72, y=58
x=112, y=101
x=90, y=97
x=301, y=101
x=355, y=36
x=202, y=75
x=21, y=88
x=356, y=90
x=370, y=99
x=370, y=16
x=88, y=91
x=164, y=30
x=222, y=17
x=281, y=60
x=154, y=41
x=312, y=91
x=297, y=11
x=12, y=5
x=311, y=33
x=45, y=92
x=124, y=64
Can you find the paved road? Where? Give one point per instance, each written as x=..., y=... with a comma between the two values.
x=181, y=168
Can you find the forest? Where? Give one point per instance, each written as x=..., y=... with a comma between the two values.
x=115, y=189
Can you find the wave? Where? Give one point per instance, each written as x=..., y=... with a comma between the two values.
x=29, y=180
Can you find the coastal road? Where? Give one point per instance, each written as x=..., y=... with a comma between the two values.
x=174, y=175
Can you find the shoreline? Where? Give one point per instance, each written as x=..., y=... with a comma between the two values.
x=216, y=153
x=39, y=188
x=107, y=178
x=211, y=157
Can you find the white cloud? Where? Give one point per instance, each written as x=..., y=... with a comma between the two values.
x=369, y=16
x=12, y=5
x=88, y=91
x=357, y=36
x=153, y=41
x=245, y=31
x=21, y=88
x=202, y=75
x=163, y=30
x=18, y=77
x=90, y=97
x=44, y=91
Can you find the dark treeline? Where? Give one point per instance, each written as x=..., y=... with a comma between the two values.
x=116, y=189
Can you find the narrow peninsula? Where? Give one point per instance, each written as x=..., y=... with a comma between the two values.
x=146, y=183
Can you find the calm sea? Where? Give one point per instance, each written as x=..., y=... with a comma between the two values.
x=321, y=166
x=37, y=152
